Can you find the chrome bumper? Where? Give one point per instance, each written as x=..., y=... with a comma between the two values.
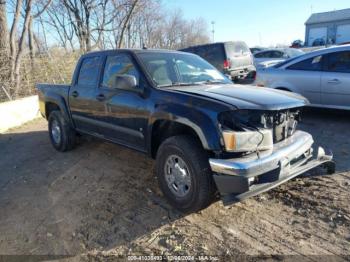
x=253, y=174
x=253, y=165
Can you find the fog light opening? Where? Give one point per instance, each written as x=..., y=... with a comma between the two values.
x=251, y=180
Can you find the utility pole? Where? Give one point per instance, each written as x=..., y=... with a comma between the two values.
x=213, y=30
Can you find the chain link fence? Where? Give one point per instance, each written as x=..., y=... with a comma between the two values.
x=54, y=67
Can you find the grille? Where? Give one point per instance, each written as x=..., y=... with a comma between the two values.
x=284, y=125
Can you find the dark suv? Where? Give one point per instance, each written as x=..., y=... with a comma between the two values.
x=231, y=58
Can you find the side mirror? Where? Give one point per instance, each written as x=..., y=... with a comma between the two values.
x=126, y=82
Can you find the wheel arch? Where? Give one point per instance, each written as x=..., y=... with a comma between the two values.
x=163, y=129
x=56, y=102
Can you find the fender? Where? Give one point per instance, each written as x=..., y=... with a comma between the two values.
x=286, y=85
x=52, y=97
x=202, y=123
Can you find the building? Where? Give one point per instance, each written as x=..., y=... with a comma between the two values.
x=333, y=27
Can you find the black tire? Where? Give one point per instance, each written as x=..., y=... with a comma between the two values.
x=202, y=189
x=67, y=135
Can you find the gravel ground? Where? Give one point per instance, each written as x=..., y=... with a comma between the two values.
x=101, y=201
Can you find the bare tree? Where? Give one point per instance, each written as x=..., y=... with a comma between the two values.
x=126, y=22
x=13, y=31
x=31, y=42
x=21, y=44
x=91, y=18
x=4, y=40
x=58, y=19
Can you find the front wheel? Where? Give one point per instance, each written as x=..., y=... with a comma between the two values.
x=184, y=174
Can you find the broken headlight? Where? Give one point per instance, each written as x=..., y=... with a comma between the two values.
x=245, y=131
x=251, y=130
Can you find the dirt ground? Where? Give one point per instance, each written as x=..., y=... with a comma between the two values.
x=101, y=201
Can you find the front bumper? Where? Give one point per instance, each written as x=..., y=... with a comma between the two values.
x=240, y=178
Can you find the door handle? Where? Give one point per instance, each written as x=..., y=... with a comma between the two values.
x=100, y=97
x=334, y=81
x=75, y=94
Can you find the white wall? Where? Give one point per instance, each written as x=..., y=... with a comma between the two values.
x=17, y=112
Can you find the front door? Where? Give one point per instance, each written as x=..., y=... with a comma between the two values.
x=126, y=111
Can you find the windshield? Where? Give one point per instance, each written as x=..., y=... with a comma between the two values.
x=234, y=48
x=180, y=69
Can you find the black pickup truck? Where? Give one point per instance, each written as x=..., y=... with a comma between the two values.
x=208, y=136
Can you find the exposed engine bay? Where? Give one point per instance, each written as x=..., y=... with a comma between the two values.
x=283, y=123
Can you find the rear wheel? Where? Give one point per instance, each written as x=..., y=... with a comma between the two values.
x=184, y=174
x=62, y=135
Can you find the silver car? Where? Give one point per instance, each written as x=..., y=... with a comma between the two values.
x=270, y=57
x=322, y=76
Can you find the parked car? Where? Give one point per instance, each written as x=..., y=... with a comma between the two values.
x=254, y=50
x=319, y=42
x=206, y=134
x=297, y=44
x=231, y=58
x=322, y=76
x=270, y=57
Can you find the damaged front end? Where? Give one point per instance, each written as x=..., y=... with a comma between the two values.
x=262, y=149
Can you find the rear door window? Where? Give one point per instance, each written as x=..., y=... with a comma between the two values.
x=311, y=64
x=236, y=48
x=89, y=71
x=338, y=62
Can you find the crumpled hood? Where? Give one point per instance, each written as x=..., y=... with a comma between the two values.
x=247, y=97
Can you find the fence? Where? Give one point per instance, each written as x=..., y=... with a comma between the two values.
x=55, y=66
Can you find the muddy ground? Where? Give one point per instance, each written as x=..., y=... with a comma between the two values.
x=101, y=200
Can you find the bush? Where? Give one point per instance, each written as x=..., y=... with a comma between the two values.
x=55, y=67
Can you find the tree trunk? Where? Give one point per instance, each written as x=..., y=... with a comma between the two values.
x=31, y=42
x=4, y=40
x=21, y=45
x=121, y=37
x=13, y=49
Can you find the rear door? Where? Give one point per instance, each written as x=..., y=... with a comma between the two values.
x=305, y=76
x=82, y=95
x=336, y=79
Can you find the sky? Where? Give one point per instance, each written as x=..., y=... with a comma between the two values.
x=257, y=22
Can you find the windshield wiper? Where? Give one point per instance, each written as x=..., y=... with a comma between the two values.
x=212, y=82
x=179, y=84
x=192, y=83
